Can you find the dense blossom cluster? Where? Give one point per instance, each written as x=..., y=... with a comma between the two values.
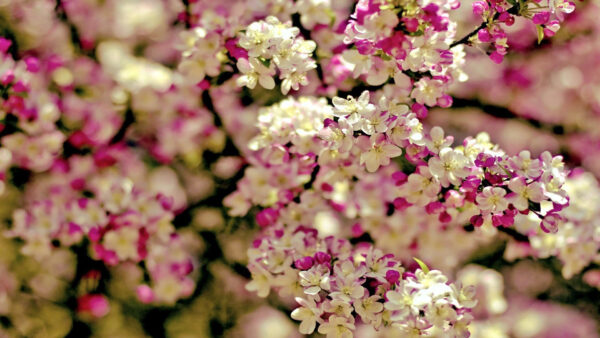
x=576, y=241
x=338, y=283
x=120, y=221
x=475, y=182
x=32, y=139
x=143, y=142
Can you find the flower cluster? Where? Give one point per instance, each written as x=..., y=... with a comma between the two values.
x=335, y=284
x=143, y=142
x=119, y=221
x=477, y=181
x=546, y=15
x=404, y=42
x=271, y=43
x=576, y=242
x=30, y=139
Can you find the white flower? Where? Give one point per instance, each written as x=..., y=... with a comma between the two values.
x=369, y=308
x=313, y=12
x=256, y=39
x=524, y=165
x=450, y=167
x=261, y=280
x=296, y=76
x=353, y=109
x=380, y=153
x=421, y=188
x=359, y=64
x=337, y=327
x=124, y=242
x=314, y=279
x=524, y=193
x=400, y=302
x=308, y=313
x=427, y=91
x=254, y=71
x=492, y=200
x=408, y=128
x=347, y=288
x=438, y=141
x=338, y=307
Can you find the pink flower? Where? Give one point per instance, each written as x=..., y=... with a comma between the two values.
x=93, y=305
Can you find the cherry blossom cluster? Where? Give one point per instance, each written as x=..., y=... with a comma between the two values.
x=577, y=240
x=336, y=284
x=142, y=142
x=271, y=43
x=119, y=221
x=546, y=15
x=403, y=42
x=31, y=139
x=477, y=181
x=502, y=313
x=539, y=85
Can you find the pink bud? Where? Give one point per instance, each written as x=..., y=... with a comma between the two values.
x=204, y=84
x=444, y=101
x=550, y=223
x=95, y=305
x=234, y=50
x=484, y=35
x=304, y=263
x=364, y=47
x=476, y=220
x=434, y=207
x=103, y=159
x=445, y=217
x=400, y=203
x=392, y=276
x=7, y=78
x=411, y=24
x=541, y=18
x=79, y=139
x=20, y=87
x=479, y=7
x=420, y=110
x=357, y=230
x=399, y=177
x=32, y=63
x=496, y=57
x=322, y=257
x=267, y=217
x=78, y=184
x=4, y=45
x=145, y=294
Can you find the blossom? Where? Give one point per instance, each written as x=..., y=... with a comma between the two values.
x=525, y=192
x=337, y=327
x=492, y=200
x=308, y=313
x=314, y=280
x=353, y=109
x=369, y=308
x=427, y=91
x=380, y=153
x=254, y=71
x=450, y=167
x=124, y=242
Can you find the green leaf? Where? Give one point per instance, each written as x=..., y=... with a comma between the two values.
x=422, y=265
x=265, y=62
x=540, y=33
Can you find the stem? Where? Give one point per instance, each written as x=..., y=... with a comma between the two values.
x=465, y=39
x=186, y=5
